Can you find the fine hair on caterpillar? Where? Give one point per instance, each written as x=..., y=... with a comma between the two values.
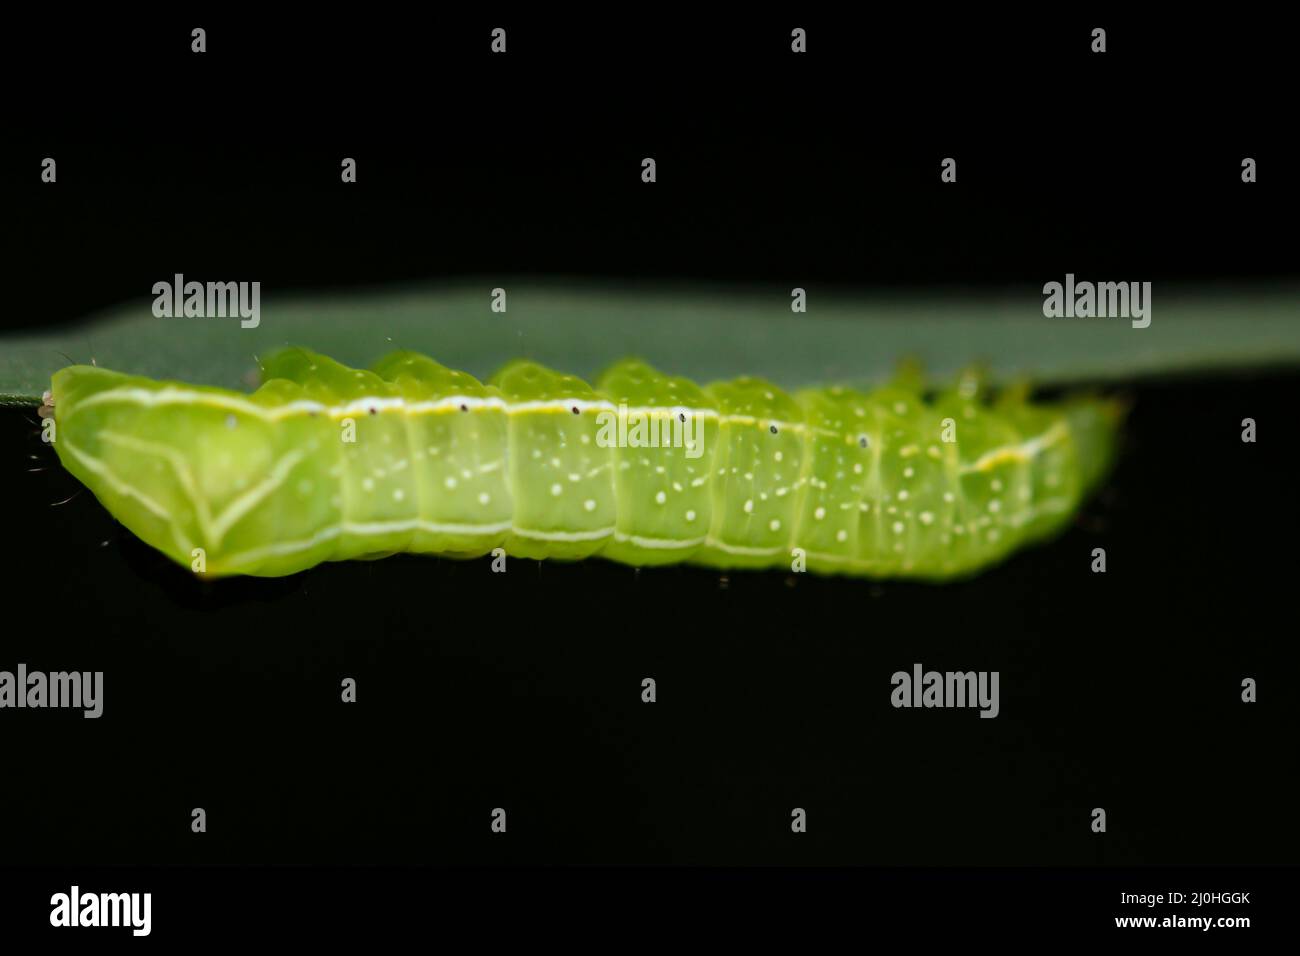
x=324, y=462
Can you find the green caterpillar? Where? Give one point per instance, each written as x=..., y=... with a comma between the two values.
x=327, y=463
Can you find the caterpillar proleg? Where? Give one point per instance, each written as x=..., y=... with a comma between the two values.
x=327, y=463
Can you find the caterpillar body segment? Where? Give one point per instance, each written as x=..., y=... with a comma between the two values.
x=326, y=463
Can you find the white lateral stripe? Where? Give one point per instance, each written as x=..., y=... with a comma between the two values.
x=179, y=465
x=418, y=524
x=367, y=528
x=664, y=543
x=742, y=549
x=595, y=535
x=121, y=487
x=150, y=398
x=359, y=529
x=254, y=496
x=1021, y=452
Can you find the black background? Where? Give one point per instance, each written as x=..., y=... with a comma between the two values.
x=818, y=170
x=522, y=691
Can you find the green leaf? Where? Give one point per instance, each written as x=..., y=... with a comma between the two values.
x=701, y=332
